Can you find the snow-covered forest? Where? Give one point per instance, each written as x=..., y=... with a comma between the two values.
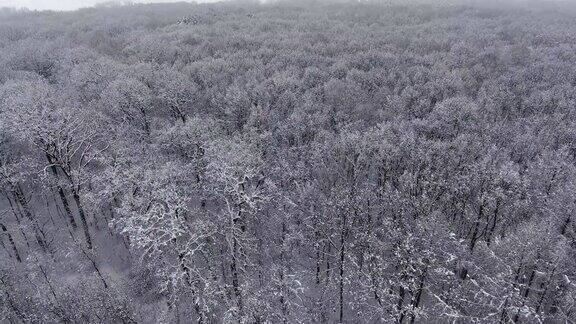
x=288, y=162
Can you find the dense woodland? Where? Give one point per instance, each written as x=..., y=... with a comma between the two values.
x=288, y=163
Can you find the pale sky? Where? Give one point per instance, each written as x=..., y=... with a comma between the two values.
x=64, y=4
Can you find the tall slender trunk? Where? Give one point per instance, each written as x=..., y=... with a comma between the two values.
x=82, y=218
x=95, y=268
x=418, y=298
x=564, y=227
x=328, y=254
x=401, y=294
x=12, y=243
x=15, y=212
x=341, y=269
x=23, y=203
x=145, y=122
x=186, y=271
x=45, y=275
x=475, y=235
x=318, y=263
x=234, y=268
x=284, y=262
x=504, y=313
x=178, y=114
x=544, y=289
x=10, y=303
x=235, y=279
x=490, y=229
x=61, y=192
x=525, y=294
x=66, y=207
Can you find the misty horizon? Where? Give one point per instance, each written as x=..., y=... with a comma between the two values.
x=71, y=5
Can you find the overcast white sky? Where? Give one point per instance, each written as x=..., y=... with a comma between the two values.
x=67, y=4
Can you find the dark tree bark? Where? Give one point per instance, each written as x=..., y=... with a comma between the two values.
x=12, y=243
x=61, y=193
x=82, y=218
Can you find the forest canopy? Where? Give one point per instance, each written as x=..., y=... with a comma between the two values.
x=288, y=162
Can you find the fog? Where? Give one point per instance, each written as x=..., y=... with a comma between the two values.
x=67, y=4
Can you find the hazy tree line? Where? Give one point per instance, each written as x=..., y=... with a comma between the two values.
x=288, y=162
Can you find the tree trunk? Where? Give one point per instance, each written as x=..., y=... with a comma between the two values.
x=418, y=298
x=61, y=193
x=401, y=294
x=11, y=240
x=491, y=228
x=341, y=282
x=186, y=270
x=38, y=234
x=234, y=269
x=544, y=289
x=504, y=313
x=341, y=269
x=564, y=227
x=475, y=235
x=82, y=218
x=283, y=302
x=15, y=212
x=525, y=294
